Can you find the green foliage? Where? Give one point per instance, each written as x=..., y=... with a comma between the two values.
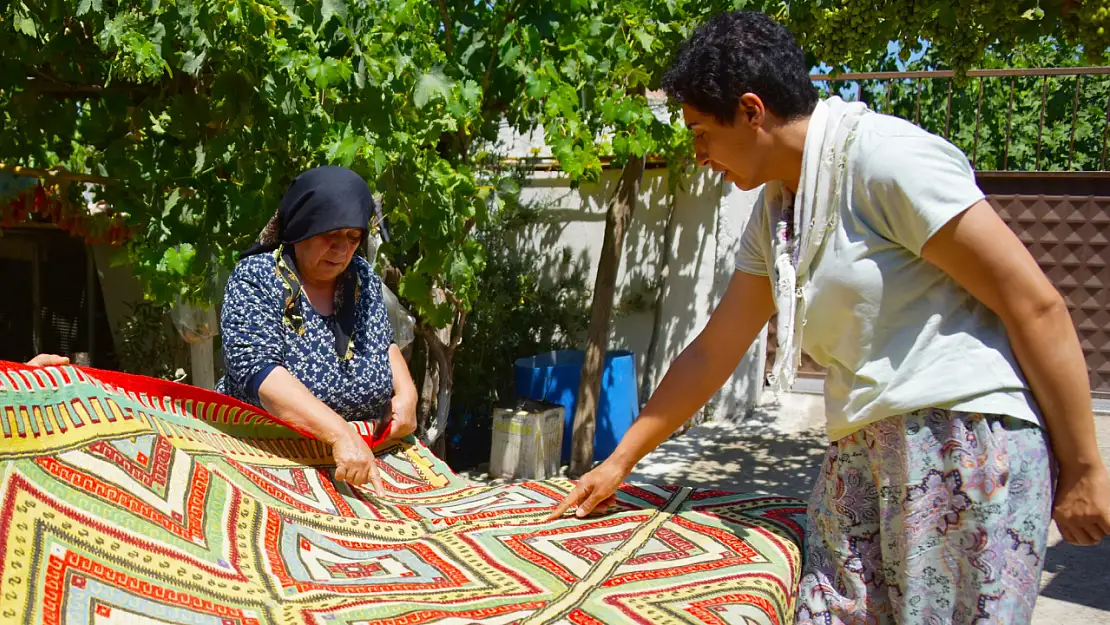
x=528, y=306
x=191, y=117
x=148, y=344
x=585, y=83
x=1019, y=117
x=852, y=33
x=195, y=115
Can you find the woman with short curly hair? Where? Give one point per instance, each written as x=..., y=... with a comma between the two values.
x=954, y=370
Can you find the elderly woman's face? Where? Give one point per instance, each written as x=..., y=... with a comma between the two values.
x=324, y=257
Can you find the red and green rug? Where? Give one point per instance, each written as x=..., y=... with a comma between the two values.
x=127, y=500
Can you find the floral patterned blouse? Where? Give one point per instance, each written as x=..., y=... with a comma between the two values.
x=267, y=321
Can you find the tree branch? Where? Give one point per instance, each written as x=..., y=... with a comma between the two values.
x=457, y=330
x=53, y=174
x=45, y=83
x=451, y=297
x=509, y=16
x=436, y=347
x=448, y=28
x=391, y=276
x=61, y=88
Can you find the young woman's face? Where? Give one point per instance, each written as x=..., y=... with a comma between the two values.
x=735, y=150
x=324, y=257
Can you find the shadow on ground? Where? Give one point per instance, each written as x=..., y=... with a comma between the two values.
x=1079, y=574
x=754, y=456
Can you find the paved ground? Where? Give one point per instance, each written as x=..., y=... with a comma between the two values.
x=777, y=451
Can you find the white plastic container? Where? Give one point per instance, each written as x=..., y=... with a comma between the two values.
x=527, y=441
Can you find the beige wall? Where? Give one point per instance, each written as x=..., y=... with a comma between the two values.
x=120, y=288
x=708, y=222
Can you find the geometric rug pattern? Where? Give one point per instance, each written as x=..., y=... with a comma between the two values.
x=128, y=500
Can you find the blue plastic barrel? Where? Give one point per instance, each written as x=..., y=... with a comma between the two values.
x=554, y=378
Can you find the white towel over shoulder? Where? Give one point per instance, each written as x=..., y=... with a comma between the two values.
x=830, y=133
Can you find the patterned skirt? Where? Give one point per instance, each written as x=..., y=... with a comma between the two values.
x=931, y=517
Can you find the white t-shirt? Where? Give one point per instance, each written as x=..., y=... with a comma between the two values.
x=896, y=333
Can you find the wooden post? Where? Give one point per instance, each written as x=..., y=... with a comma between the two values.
x=36, y=298
x=201, y=353
x=616, y=223
x=203, y=364
x=90, y=301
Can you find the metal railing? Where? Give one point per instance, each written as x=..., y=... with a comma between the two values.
x=885, y=84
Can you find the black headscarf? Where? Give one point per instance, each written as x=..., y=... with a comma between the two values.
x=319, y=200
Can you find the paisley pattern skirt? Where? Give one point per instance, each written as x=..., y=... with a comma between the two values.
x=931, y=517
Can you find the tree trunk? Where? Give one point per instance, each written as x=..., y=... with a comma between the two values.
x=201, y=351
x=441, y=344
x=661, y=278
x=435, y=397
x=443, y=406
x=203, y=364
x=616, y=222
x=428, y=388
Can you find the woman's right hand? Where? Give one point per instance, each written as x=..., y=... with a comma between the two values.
x=595, y=492
x=285, y=397
x=354, y=462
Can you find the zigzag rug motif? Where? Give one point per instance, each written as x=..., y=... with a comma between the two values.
x=128, y=500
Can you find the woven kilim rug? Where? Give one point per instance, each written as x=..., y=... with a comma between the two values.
x=130, y=500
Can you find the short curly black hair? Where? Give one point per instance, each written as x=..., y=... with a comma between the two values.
x=736, y=53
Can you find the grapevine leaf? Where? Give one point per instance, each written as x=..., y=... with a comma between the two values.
x=193, y=61
x=645, y=38
x=333, y=8
x=430, y=86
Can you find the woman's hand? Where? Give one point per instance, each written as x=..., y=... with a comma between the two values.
x=595, y=492
x=401, y=419
x=697, y=373
x=294, y=405
x=354, y=462
x=48, y=360
x=1082, y=507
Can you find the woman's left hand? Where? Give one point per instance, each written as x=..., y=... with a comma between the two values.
x=48, y=360
x=402, y=417
x=1082, y=507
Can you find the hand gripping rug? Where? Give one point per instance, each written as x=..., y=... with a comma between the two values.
x=130, y=500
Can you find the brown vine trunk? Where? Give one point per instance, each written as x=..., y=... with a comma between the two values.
x=616, y=222
x=429, y=387
x=439, y=380
x=435, y=396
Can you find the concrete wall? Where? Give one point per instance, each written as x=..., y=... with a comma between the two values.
x=708, y=220
x=118, y=285
x=743, y=390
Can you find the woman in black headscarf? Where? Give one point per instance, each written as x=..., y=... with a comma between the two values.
x=305, y=330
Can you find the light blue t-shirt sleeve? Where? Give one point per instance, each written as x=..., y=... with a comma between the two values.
x=915, y=184
x=755, y=242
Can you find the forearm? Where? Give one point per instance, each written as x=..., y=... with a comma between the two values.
x=403, y=386
x=1048, y=351
x=701, y=368
x=285, y=397
x=697, y=373
x=691, y=380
